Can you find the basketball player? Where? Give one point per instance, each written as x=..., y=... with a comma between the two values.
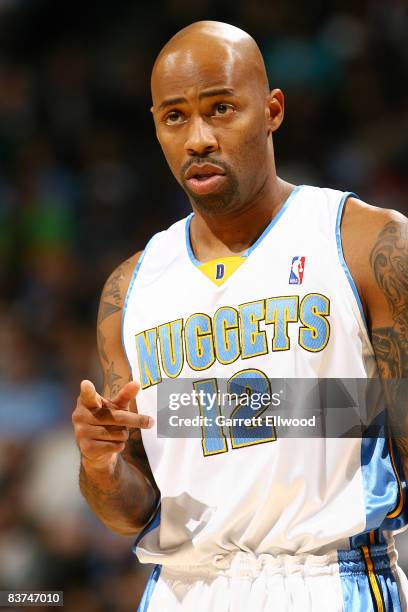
x=239, y=523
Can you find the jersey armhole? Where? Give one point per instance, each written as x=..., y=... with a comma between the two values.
x=343, y=263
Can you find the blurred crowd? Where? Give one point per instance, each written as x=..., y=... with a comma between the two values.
x=83, y=185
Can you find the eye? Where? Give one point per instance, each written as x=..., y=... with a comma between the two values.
x=173, y=118
x=223, y=109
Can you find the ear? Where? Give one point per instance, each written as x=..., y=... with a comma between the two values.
x=274, y=109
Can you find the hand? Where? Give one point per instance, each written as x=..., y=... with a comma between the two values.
x=102, y=426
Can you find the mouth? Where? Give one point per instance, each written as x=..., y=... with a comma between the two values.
x=206, y=178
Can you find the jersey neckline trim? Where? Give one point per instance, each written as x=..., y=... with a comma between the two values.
x=266, y=231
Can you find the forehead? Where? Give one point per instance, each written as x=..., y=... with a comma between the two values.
x=184, y=69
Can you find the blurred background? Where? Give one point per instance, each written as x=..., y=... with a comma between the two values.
x=83, y=185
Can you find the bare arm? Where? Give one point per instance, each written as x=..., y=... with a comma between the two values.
x=389, y=263
x=115, y=477
x=381, y=264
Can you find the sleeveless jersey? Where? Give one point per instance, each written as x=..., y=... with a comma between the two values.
x=287, y=308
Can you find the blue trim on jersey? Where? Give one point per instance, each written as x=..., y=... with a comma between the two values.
x=357, y=594
x=266, y=231
x=188, y=243
x=384, y=485
x=128, y=292
x=274, y=220
x=380, y=486
x=401, y=519
x=152, y=524
x=344, y=265
x=150, y=586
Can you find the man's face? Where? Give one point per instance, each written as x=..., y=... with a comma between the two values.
x=211, y=121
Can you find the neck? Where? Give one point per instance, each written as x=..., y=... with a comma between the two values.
x=232, y=234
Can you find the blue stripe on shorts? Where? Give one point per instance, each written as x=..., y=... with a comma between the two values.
x=358, y=592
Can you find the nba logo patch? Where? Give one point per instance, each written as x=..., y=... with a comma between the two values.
x=296, y=270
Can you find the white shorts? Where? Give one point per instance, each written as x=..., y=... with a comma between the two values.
x=365, y=579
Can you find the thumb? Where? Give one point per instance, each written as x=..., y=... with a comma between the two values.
x=88, y=395
x=127, y=393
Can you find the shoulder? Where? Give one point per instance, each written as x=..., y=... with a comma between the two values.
x=111, y=303
x=373, y=239
x=364, y=227
x=112, y=359
x=368, y=221
x=116, y=286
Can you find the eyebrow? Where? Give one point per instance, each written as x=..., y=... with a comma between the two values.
x=210, y=93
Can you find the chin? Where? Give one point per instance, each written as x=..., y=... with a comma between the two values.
x=213, y=205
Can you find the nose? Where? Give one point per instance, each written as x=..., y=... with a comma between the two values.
x=201, y=139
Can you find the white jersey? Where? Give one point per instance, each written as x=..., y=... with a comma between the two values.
x=287, y=308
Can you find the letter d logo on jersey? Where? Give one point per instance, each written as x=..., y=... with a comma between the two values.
x=296, y=270
x=219, y=271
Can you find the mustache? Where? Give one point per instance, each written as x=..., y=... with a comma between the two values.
x=204, y=160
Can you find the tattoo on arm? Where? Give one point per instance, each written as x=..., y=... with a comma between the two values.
x=112, y=288
x=113, y=381
x=388, y=351
x=389, y=262
x=112, y=293
x=106, y=310
x=101, y=345
x=111, y=303
x=98, y=493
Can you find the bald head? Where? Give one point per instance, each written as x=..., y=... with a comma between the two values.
x=206, y=41
x=211, y=102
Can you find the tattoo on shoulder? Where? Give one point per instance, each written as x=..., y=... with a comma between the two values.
x=389, y=262
x=112, y=298
x=111, y=303
x=112, y=288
